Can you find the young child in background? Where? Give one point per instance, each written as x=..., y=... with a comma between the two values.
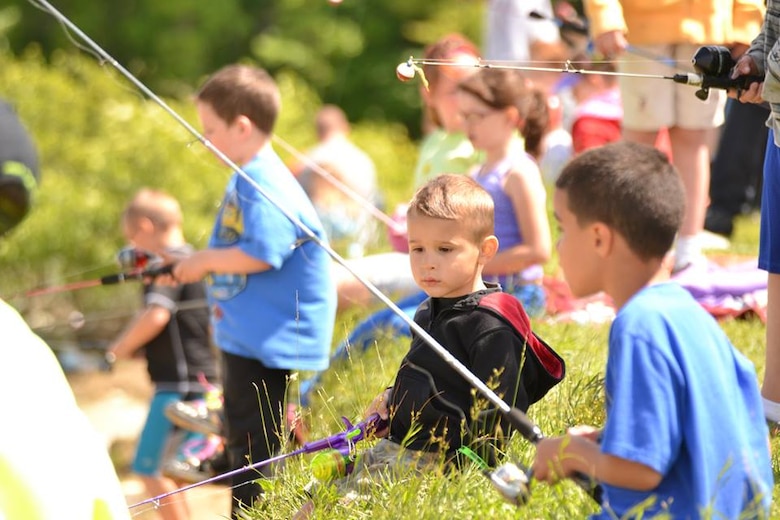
x=685, y=434
x=430, y=407
x=272, y=300
x=495, y=104
x=172, y=330
x=598, y=114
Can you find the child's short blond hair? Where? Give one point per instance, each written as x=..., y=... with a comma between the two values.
x=159, y=207
x=459, y=198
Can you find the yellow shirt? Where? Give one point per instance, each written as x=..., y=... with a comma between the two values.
x=652, y=22
x=53, y=465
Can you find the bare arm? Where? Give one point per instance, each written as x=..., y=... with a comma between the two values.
x=146, y=325
x=228, y=260
x=528, y=198
x=572, y=453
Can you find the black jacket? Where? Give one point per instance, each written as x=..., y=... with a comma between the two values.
x=433, y=407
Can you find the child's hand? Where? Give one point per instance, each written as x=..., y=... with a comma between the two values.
x=611, y=43
x=379, y=406
x=547, y=465
x=191, y=269
x=588, y=432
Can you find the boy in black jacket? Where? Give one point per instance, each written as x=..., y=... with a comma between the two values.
x=430, y=408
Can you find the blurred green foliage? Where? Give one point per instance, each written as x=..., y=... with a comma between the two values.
x=347, y=51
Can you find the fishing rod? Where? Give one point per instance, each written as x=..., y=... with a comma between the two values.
x=514, y=416
x=327, y=466
x=110, y=279
x=712, y=64
x=136, y=264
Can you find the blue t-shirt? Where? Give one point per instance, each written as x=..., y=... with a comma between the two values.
x=683, y=401
x=284, y=316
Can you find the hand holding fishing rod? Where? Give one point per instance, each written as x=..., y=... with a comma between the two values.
x=513, y=481
x=716, y=68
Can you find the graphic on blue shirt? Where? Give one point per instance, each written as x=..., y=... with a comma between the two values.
x=223, y=286
x=231, y=221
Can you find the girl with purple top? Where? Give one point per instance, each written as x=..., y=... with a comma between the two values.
x=495, y=104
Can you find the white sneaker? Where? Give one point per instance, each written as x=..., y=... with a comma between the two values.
x=709, y=240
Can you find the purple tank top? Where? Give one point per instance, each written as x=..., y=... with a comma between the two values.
x=506, y=227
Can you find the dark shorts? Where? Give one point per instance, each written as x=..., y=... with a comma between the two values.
x=769, y=243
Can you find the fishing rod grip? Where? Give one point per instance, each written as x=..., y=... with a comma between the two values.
x=524, y=425
x=719, y=82
x=123, y=277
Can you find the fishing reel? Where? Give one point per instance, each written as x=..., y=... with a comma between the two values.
x=133, y=259
x=513, y=483
x=713, y=65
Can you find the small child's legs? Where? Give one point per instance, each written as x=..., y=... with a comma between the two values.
x=153, y=444
x=253, y=398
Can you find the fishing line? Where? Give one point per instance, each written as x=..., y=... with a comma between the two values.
x=568, y=68
x=341, y=186
x=77, y=320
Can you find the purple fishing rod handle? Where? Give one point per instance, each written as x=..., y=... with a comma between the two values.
x=343, y=439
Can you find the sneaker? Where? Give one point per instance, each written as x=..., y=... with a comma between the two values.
x=195, y=416
x=193, y=462
x=199, y=415
x=709, y=240
x=184, y=471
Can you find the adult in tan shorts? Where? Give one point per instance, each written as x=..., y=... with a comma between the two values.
x=673, y=30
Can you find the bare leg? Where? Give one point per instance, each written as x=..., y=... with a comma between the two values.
x=171, y=508
x=640, y=136
x=690, y=149
x=305, y=511
x=771, y=387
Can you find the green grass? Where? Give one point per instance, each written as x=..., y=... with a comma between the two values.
x=348, y=387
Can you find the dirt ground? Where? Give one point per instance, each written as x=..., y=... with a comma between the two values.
x=116, y=404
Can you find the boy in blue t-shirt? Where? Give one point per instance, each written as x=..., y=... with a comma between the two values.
x=272, y=300
x=685, y=433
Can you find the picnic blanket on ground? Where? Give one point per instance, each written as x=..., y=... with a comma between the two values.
x=725, y=291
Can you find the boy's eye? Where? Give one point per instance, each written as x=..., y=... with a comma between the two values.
x=415, y=249
x=444, y=249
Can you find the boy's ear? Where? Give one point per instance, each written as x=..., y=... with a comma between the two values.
x=488, y=249
x=145, y=225
x=603, y=238
x=244, y=124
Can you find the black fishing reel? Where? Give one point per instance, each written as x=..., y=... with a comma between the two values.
x=713, y=65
